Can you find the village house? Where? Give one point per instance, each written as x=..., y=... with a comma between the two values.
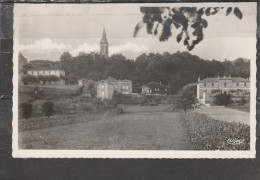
x=107, y=87
x=46, y=68
x=155, y=88
x=228, y=85
x=46, y=71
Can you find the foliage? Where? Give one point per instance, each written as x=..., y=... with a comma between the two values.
x=206, y=133
x=222, y=99
x=49, y=78
x=26, y=110
x=29, y=78
x=216, y=91
x=48, y=108
x=191, y=21
x=186, y=99
x=91, y=88
x=37, y=92
x=79, y=91
x=174, y=70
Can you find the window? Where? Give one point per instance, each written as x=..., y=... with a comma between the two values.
x=212, y=84
x=244, y=84
x=205, y=84
x=126, y=87
x=102, y=93
x=102, y=86
x=237, y=84
x=225, y=84
x=165, y=89
x=43, y=72
x=123, y=87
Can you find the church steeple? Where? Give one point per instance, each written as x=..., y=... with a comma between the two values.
x=104, y=44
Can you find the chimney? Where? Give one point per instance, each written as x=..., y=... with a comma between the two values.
x=160, y=82
x=218, y=77
x=199, y=78
x=229, y=76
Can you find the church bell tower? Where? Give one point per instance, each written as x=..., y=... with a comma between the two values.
x=104, y=44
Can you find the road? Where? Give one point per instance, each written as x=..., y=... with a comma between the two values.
x=225, y=114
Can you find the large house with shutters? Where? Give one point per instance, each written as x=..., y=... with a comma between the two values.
x=229, y=85
x=106, y=88
x=155, y=88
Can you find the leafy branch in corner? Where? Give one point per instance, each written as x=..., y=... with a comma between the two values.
x=190, y=20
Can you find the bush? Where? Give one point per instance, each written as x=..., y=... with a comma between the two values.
x=48, y=108
x=206, y=133
x=86, y=108
x=26, y=110
x=222, y=99
x=29, y=78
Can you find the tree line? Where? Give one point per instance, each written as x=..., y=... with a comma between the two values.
x=175, y=70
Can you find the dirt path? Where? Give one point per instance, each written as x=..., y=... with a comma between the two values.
x=139, y=128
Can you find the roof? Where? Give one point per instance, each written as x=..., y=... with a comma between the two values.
x=233, y=79
x=105, y=81
x=104, y=38
x=126, y=80
x=152, y=83
x=111, y=79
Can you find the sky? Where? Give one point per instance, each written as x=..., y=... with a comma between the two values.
x=45, y=31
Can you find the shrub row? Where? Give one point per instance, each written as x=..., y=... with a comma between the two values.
x=44, y=122
x=206, y=133
x=66, y=106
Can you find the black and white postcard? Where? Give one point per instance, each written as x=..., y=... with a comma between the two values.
x=134, y=80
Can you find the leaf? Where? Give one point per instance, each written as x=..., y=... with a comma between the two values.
x=166, y=31
x=238, y=13
x=216, y=9
x=207, y=12
x=149, y=27
x=190, y=47
x=186, y=42
x=200, y=12
x=179, y=37
x=204, y=23
x=156, y=29
x=138, y=27
x=228, y=11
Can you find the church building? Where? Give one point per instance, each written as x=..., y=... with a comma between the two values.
x=104, y=45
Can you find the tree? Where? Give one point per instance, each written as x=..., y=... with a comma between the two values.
x=29, y=78
x=66, y=56
x=186, y=99
x=26, y=110
x=48, y=108
x=91, y=88
x=222, y=99
x=189, y=19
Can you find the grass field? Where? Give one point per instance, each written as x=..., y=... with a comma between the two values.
x=146, y=127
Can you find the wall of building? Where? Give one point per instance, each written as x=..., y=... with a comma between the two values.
x=214, y=86
x=108, y=90
x=46, y=72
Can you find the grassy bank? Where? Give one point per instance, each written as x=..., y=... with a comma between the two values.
x=45, y=122
x=206, y=133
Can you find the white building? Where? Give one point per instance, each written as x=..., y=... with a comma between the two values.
x=47, y=71
x=206, y=88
